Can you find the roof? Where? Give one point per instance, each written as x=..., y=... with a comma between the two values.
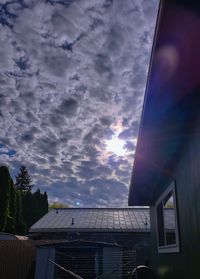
x=94, y=220
x=9, y=236
x=171, y=103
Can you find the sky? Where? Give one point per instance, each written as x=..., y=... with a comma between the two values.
x=72, y=82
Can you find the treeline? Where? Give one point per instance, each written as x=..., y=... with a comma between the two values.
x=19, y=206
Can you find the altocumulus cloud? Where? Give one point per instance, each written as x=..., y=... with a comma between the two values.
x=72, y=75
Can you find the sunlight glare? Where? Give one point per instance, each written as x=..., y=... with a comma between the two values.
x=116, y=145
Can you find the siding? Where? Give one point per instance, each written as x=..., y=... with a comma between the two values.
x=187, y=174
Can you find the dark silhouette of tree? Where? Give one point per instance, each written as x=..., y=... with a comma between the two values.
x=39, y=205
x=28, y=209
x=45, y=203
x=23, y=180
x=4, y=196
x=12, y=209
x=20, y=227
x=19, y=207
x=34, y=206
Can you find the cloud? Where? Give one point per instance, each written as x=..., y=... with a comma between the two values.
x=68, y=107
x=72, y=75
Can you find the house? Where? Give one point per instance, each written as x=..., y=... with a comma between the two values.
x=166, y=171
x=115, y=240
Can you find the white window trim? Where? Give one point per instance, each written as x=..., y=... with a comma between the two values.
x=174, y=248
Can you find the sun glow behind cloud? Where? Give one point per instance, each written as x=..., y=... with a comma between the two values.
x=116, y=146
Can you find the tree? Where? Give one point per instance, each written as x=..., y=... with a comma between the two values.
x=19, y=207
x=28, y=208
x=12, y=209
x=23, y=180
x=4, y=196
x=34, y=206
x=57, y=205
x=45, y=203
x=38, y=204
x=20, y=227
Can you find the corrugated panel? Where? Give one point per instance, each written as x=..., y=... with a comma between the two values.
x=101, y=219
x=17, y=259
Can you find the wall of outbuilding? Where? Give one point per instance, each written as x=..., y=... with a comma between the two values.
x=184, y=264
x=137, y=241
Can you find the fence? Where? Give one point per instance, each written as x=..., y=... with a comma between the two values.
x=117, y=264
x=17, y=259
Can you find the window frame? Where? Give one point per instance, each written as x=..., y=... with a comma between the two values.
x=168, y=248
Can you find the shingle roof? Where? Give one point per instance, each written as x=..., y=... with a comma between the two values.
x=94, y=219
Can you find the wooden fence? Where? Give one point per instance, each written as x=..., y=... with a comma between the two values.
x=17, y=259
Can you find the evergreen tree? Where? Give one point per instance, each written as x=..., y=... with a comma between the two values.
x=23, y=180
x=20, y=227
x=4, y=196
x=28, y=209
x=34, y=209
x=38, y=204
x=12, y=209
x=45, y=203
x=19, y=207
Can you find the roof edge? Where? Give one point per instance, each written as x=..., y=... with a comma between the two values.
x=102, y=208
x=131, y=200
x=75, y=230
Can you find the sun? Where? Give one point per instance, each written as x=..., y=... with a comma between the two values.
x=116, y=146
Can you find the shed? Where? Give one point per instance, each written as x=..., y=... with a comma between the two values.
x=127, y=227
x=86, y=259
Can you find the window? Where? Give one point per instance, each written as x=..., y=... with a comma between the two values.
x=167, y=228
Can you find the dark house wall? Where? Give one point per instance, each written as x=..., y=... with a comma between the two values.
x=187, y=175
x=168, y=147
